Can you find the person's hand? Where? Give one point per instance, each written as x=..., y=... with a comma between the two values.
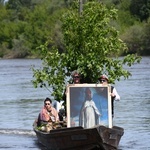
x=113, y=95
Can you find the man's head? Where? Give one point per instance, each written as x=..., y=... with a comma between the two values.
x=76, y=77
x=103, y=79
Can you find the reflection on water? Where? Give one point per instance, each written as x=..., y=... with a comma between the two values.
x=20, y=104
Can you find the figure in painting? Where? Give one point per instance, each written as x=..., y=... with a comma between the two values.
x=89, y=115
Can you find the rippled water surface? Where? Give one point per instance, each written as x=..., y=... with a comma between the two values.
x=20, y=104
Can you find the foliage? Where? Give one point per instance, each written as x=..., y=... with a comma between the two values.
x=132, y=38
x=2, y=2
x=140, y=8
x=125, y=18
x=124, y=15
x=26, y=24
x=90, y=41
x=145, y=38
x=137, y=38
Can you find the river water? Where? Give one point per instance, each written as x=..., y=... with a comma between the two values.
x=20, y=104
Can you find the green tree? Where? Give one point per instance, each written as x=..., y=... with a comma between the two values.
x=2, y=2
x=41, y=25
x=92, y=46
x=132, y=37
x=145, y=39
x=141, y=9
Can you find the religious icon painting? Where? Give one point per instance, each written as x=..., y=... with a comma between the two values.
x=88, y=105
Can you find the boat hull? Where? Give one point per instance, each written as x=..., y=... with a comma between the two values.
x=77, y=138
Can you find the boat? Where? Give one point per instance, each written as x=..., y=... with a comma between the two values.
x=98, y=137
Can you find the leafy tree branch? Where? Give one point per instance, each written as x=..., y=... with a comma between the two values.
x=92, y=46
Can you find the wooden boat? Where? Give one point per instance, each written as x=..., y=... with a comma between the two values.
x=77, y=138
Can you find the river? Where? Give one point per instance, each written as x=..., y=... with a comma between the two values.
x=20, y=104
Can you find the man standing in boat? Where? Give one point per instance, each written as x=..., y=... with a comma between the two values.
x=103, y=79
x=77, y=96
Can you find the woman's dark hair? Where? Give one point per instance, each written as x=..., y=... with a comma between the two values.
x=47, y=99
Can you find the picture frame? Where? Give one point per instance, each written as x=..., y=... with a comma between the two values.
x=88, y=105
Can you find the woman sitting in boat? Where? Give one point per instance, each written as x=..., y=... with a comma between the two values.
x=48, y=113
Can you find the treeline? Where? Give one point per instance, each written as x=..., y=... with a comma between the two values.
x=26, y=24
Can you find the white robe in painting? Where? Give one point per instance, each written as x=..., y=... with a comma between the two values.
x=90, y=115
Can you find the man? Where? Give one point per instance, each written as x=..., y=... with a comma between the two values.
x=76, y=77
x=76, y=94
x=103, y=79
x=48, y=112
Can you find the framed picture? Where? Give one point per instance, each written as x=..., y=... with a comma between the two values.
x=88, y=105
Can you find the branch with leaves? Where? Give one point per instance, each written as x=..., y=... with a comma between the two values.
x=92, y=46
